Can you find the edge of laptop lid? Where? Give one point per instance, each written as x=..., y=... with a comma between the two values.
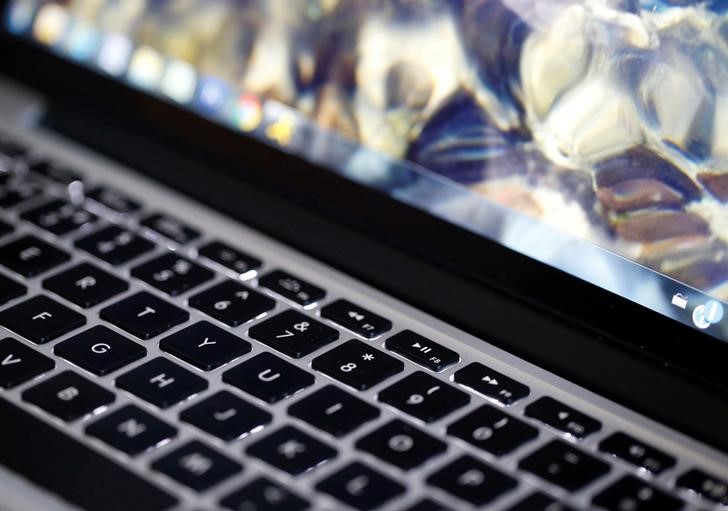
x=577, y=330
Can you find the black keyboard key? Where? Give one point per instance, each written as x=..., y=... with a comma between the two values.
x=30, y=256
x=538, y=501
x=100, y=350
x=61, y=464
x=226, y=416
x=68, y=396
x=490, y=383
x=144, y=315
x=41, y=319
x=197, y=466
x=492, y=430
x=229, y=257
x=113, y=200
x=161, y=382
x=401, y=445
x=14, y=191
x=55, y=172
x=262, y=494
x=19, y=363
x=564, y=465
x=231, y=303
x=706, y=485
x=562, y=417
x=291, y=450
x=5, y=228
x=205, y=346
x=172, y=274
x=428, y=505
x=170, y=228
x=355, y=318
x=293, y=333
x=268, y=378
x=357, y=364
x=633, y=494
x=421, y=350
x=85, y=285
x=360, y=487
x=10, y=290
x=472, y=481
x=59, y=217
x=424, y=397
x=334, y=411
x=292, y=288
x=131, y=430
x=115, y=245
x=637, y=453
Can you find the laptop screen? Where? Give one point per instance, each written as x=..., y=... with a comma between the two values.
x=591, y=135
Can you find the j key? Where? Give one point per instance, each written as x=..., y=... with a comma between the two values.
x=14, y=192
x=232, y=303
x=205, y=346
x=19, y=363
x=114, y=245
x=144, y=315
x=229, y=257
x=41, y=319
x=9, y=289
x=114, y=200
x=539, y=502
x=197, y=466
x=490, y=429
x=172, y=274
x=170, y=228
x=355, y=318
x=706, y=485
x=291, y=450
x=30, y=256
x=5, y=228
x=637, y=453
x=226, y=416
x=68, y=396
x=161, y=382
x=100, y=350
x=491, y=383
x=131, y=430
x=262, y=494
x=56, y=457
x=360, y=487
x=424, y=397
x=401, y=445
x=358, y=365
x=292, y=288
x=334, y=411
x=472, y=481
x=55, y=172
x=268, y=378
x=59, y=217
x=428, y=505
x=421, y=350
x=563, y=465
x=85, y=285
x=293, y=333
x=562, y=417
x=632, y=494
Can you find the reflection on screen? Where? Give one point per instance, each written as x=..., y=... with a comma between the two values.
x=605, y=120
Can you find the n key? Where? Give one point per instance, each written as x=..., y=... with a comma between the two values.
x=19, y=363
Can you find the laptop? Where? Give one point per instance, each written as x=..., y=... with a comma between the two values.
x=347, y=255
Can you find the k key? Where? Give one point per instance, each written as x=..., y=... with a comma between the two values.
x=205, y=345
x=472, y=481
x=19, y=363
x=291, y=450
x=161, y=382
x=41, y=319
x=68, y=396
x=334, y=411
x=85, y=285
x=232, y=303
x=268, y=378
x=144, y=315
x=424, y=397
x=131, y=430
x=29, y=256
x=293, y=333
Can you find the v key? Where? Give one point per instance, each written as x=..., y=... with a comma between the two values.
x=10, y=360
x=19, y=363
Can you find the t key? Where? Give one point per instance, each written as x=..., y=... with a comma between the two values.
x=144, y=315
x=293, y=333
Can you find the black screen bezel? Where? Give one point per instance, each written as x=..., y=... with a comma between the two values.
x=679, y=350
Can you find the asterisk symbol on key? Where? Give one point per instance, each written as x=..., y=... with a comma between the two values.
x=368, y=357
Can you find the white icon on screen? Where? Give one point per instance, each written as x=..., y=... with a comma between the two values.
x=680, y=300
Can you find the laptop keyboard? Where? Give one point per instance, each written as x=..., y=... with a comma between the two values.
x=247, y=337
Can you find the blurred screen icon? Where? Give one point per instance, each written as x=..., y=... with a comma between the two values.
x=82, y=42
x=114, y=54
x=19, y=16
x=248, y=112
x=146, y=68
x=680, y=301
x=213, y=95
x=179, y=81
x=50, y=24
